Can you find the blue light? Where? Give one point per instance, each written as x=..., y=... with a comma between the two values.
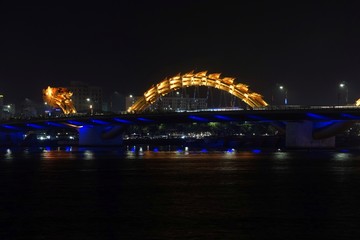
x=8, y=126
x=122, y=120
x=55, y=124
x=316, y=116
x=144, y=119
x=198, y=118
x=75, y=123
x=34, y=126
x=108, y=128
x=224, y=118
x=259, y=118
x=203, y=150
x=256, y=151
x=156, y=150
x=99, y=122
x=349, y=116
x=322, y=124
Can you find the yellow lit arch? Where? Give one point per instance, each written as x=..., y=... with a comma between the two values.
x=197, y=79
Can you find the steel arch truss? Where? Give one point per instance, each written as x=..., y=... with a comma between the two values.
x=197, y=79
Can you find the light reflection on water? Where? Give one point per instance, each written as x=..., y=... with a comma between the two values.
x=48, y=154
x=341, y=156
x=178, y=193
x=201, y=154
x=146, y=152
x=88, y=155
x=8, y=155
x=281, y=155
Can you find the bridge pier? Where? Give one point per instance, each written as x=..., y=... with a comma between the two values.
x=300, y=135
x=91, y=135
x=11, y=138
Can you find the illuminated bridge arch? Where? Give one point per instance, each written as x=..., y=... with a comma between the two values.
x=197, y=79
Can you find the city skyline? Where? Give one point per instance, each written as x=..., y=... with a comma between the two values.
x=309, y=48
x=279, y=94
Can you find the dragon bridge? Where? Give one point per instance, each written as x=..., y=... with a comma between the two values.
x=59, y=97
x=197, y=79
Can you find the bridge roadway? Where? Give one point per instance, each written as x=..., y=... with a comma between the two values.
x=330, y=113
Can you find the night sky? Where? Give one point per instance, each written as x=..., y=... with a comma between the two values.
x=126, y=46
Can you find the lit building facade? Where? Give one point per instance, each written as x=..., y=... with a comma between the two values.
x=1, y=100
x=130, y=100
x=86, y=98
x=172, y=103
x=179, y=104
x=1, y=105
x=8, y=111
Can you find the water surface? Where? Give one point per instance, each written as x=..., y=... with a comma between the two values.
x=75, y=193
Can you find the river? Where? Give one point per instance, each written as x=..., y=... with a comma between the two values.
x=112, y=193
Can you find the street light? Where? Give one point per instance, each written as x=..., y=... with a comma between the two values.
x=90, y=106
x=343, y=85
x=282, y=88
x=47, y=111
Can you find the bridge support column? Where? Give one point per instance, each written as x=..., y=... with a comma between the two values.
x=300, y=135
x=11, y=138
x=100, y=136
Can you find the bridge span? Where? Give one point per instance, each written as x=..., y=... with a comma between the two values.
x=314, y=113
x=304, y=127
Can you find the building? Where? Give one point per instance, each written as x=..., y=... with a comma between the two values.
x=117, y=103
x=179, y=104
x=6, y=110
x=130, y=100
x=28, y=108
x=86, y=98
x=1, y=105
x=9, y=111
x=172, y=103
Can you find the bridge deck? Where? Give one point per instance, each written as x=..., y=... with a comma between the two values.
x=259, y=115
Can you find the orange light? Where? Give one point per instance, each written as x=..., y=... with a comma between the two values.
x=197, y=79
x=59, y=98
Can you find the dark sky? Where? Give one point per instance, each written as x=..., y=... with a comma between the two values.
x=127, y=46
